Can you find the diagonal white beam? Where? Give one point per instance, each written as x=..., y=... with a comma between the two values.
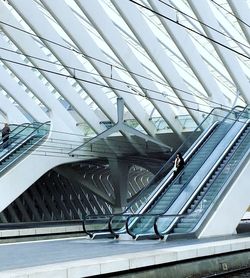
x=190, y=53
x=113, y=38
x=14, y=116
x=14, y=90
x=229, y=29
x=28, y=45
x=21, y=97
x=144, y=34
x=205, y=15
x=72, y=26
x=241, y=10
x=34, y=17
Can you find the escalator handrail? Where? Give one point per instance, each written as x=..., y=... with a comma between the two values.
x=24, y=125
x=216, y=165
x=220, y=171
x=94, y=216
x=165, y=181
x=157, y=216
x=14, y=148
x=182, y=172
x=24, y=152
x=179, y=215
x=160, y=235
x=224, y=189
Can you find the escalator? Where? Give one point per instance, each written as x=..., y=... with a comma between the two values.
x=22, y=139
x=160, y=194
x=181, y=189
x=20, y=162
x=200, y=208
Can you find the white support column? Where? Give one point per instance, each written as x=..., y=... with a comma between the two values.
x=190, y=53
x=34, y=17
x=71, y=25
x=204, y=14
x=27, y=44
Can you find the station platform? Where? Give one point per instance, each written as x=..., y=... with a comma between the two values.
x=83, y=257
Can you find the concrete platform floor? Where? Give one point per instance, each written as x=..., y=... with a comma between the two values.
x=82, y=257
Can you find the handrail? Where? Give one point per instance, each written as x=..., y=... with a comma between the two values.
x=157, y=216
x=94, y=217
x=15, y=135
x=160, y=235
x=181, y=173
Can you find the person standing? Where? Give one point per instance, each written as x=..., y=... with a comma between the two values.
x=178, y=164
x=5, y=135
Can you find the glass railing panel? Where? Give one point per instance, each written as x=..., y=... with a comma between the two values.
x=41, y=129
x=96, y=223
x=15, y=137
x=18, y=137
x=179, y=224
x=117, y=224
x=141, y=225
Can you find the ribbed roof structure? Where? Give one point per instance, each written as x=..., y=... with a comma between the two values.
x=171, y=62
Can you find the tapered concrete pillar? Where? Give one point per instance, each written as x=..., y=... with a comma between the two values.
x=119, y=174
